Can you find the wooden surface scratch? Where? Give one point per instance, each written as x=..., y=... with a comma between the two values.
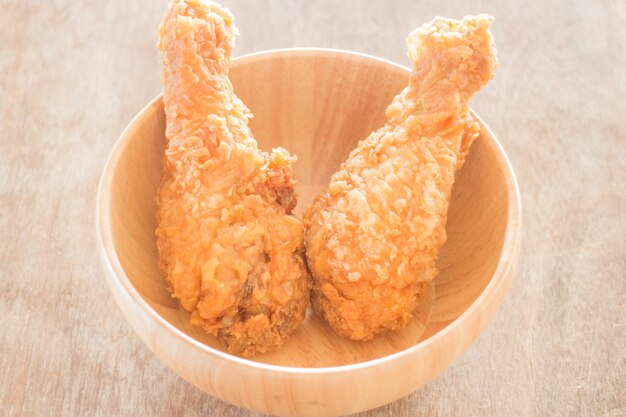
x=73, y=74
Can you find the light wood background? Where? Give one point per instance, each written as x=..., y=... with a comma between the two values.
x=73, y=74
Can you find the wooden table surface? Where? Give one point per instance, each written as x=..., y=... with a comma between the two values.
x=73, y=74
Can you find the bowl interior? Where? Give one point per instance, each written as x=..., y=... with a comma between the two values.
x=318, y=105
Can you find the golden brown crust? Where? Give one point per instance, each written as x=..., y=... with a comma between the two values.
x=373, y=237
x=228, y=245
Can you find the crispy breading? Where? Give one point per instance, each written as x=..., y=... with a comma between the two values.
x=228, y=245
x=373, y=236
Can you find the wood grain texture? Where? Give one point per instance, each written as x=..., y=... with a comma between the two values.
x=72, y=74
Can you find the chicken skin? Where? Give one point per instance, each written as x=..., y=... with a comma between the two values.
x=232, y=253
x=373, y=236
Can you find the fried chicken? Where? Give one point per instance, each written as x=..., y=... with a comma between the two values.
x=373, y=236
x=232, y=253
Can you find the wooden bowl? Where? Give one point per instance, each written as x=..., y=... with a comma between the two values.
x=318, y=104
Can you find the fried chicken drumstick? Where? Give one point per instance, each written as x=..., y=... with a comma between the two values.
x=373, y=236
x=228, y=246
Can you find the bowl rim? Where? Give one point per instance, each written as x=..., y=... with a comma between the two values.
x=116, y=276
